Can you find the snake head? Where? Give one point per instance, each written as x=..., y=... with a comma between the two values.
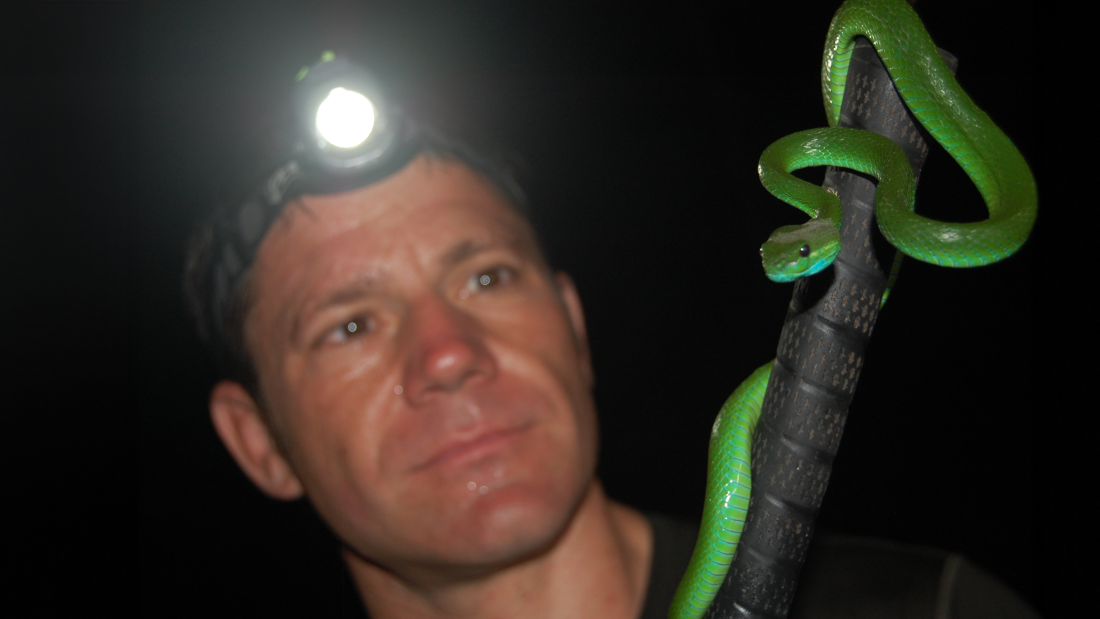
x=792, y=252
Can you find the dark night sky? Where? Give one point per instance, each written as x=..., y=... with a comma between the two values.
x=639, y=131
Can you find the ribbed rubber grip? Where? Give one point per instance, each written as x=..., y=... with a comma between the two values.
x=818, y=362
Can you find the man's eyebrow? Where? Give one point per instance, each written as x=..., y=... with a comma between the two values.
x=462, y=251
x=348, y=293
x=471, y=247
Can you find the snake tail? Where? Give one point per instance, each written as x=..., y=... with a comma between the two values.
x=729, y=485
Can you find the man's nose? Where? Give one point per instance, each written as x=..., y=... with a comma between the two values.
x=448, y=350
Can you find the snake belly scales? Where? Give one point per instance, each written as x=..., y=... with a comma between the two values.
x=985, y=153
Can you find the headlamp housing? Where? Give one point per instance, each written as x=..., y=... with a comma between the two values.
x=347, y=127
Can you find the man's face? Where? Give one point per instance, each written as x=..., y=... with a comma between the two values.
x=428, y=377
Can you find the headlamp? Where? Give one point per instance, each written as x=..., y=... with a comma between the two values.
x=346, y=125
x=345, y=119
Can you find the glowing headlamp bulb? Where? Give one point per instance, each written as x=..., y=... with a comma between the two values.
x=345, y=118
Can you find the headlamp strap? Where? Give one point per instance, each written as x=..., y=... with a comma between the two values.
x=241, y=234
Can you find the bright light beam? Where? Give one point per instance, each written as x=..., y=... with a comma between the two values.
x=345, y=118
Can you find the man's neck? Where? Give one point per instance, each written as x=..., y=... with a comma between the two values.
x=599, y=567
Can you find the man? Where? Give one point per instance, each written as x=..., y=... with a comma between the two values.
x=398, y=351
x=427, y=379
x=405, y=358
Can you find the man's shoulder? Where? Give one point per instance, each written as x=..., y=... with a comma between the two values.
x=849, y=576
x=673, y=541
x=852, y=577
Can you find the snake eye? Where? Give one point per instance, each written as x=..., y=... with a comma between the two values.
x=804, y=251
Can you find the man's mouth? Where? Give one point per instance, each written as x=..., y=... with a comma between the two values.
x=460, y=451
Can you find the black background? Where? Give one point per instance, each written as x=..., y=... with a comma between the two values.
x=639, y=129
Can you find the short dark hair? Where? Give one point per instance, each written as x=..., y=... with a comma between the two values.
x=221, y=324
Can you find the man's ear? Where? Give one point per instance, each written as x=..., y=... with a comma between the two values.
x=240, y=425
x=572, y=300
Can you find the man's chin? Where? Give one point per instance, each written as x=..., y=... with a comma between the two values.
x=499, y=530
x=506, y=525
x=512, y=523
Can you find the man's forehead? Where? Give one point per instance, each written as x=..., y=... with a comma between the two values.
x=439, y=210
x=418, y=190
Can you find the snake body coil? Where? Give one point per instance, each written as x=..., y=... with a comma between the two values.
x=987, y=156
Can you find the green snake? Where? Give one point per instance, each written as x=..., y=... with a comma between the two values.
x=984, y=152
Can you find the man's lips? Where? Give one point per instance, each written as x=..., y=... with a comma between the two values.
x=471, y=448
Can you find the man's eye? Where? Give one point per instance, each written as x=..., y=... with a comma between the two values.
x=356, y=327
x=490, y=278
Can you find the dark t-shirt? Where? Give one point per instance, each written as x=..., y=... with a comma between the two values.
x=855, y=578
x=844, y=578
